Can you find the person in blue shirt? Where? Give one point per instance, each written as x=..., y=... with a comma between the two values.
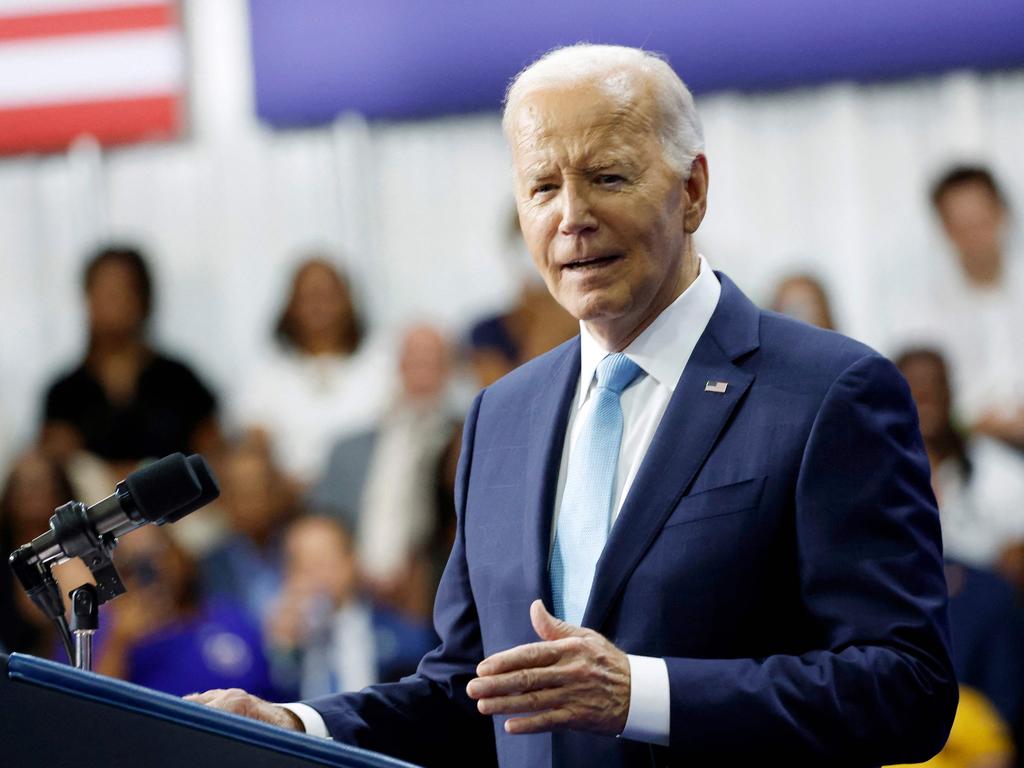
x=162, y=634
x=326, y=637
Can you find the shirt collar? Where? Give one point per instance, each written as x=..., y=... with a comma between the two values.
x=665, y=346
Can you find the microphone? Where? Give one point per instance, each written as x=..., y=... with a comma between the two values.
x=162, y=492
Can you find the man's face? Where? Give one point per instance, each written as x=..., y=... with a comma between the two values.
x=606, y=219
x=319, y=561
x=424, y=364
x=973, y=219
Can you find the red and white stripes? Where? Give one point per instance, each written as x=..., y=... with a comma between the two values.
x=110, y=68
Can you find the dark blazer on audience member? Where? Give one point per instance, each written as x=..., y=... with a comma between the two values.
x=779, y=548
x=339, y=490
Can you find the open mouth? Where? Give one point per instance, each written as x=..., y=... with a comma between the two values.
x=592, y=262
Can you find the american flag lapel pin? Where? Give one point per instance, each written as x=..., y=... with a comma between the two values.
x=716, y=386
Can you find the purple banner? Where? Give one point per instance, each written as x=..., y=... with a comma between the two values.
x=314, y=59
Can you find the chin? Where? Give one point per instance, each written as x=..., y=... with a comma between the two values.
x=595, y=309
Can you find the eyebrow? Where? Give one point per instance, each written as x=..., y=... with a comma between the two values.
x=537, y=169
x=543, y=168
x=611, y=162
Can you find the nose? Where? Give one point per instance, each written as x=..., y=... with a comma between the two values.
x=577, y=215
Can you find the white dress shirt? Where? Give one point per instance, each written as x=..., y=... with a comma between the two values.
x=662, y=351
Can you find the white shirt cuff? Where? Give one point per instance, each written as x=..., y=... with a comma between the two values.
x=650, y=708
x=311, y=719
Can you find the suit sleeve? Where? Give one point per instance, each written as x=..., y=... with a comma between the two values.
x=881, y=688
x=427, y=718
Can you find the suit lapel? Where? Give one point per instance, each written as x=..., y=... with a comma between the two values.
x=548, y=419
x=689, y=429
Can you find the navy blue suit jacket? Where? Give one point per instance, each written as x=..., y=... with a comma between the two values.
x=779, y=548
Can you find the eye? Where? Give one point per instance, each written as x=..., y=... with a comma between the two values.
x=610, y=179
x=543, y=189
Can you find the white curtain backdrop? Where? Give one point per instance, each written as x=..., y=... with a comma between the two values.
x=831, y=179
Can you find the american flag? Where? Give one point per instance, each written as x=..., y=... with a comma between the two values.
x=112, y=69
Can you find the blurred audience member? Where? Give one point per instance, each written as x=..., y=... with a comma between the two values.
x=322, y=632
x=534, y=325
x=257, y=502
x=982, y=316
x=160, y=634
x=126, y=401
x=803, y=297
x=35, y=487
x=979, y=482
x=384, y=483
x=323, y=381
x=987, y=628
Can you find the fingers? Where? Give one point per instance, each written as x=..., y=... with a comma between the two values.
x=533, y=701
x=527, y=656
x=522, y=680
x=551, y=720
x=229, y=699
x=553, y=633
x=574, y=678
x=520, y=657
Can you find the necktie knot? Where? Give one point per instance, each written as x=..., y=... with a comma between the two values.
x=616, y=372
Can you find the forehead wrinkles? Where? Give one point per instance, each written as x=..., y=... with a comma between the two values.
x=597, y=131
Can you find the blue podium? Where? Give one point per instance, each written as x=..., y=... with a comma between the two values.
x=55, y=716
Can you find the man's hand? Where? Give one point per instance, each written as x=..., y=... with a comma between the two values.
x=574, y=679
x=238, y=702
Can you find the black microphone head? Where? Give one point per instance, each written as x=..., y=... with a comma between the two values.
x=162, y=488
x=208, y=484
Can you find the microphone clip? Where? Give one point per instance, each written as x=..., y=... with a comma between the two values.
x=71, y=527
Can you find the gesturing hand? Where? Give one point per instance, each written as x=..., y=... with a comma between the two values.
x=573, y=679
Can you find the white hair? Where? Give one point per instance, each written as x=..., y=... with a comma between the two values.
x=613, y=66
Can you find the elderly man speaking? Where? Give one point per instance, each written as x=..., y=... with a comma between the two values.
x=698, y=533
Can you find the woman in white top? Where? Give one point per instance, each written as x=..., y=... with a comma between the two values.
x=322, y=381
x=978, y=481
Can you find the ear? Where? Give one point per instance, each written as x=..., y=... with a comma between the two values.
x=697, y=194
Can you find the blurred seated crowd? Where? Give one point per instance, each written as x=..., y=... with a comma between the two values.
x=316, y=569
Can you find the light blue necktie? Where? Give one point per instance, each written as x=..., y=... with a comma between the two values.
x=584, y=518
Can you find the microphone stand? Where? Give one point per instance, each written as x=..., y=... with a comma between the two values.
x=85, y=620
x=71, y=526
